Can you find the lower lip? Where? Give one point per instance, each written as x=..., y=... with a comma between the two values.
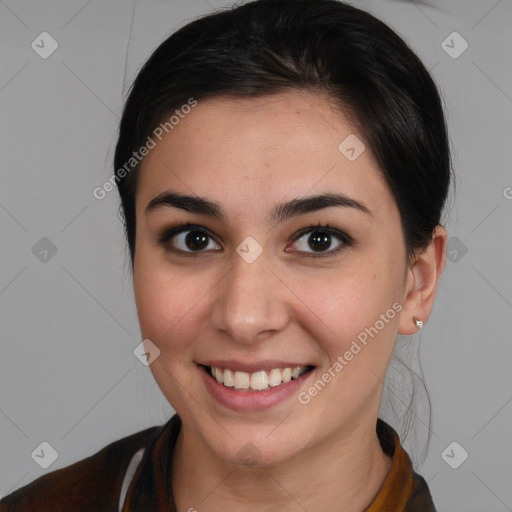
x=241, y=400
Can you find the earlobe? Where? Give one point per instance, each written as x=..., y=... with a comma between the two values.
x=419, y=323
x=421, y=283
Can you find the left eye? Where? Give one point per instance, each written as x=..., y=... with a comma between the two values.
x=319, y=239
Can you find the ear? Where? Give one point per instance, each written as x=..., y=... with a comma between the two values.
x=422, y=278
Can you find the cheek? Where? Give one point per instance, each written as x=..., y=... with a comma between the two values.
x=352, y=319
x=351, y=312
x=167, y=302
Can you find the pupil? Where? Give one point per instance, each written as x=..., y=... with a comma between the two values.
x=196, y=240
x=321, y=240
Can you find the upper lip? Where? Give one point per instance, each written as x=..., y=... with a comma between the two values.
x=243, y=366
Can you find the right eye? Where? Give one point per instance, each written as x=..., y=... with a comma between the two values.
x=186, y=240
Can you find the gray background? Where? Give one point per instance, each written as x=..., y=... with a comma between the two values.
x=68, y=374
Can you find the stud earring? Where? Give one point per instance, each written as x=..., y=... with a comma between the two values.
x=419, y=323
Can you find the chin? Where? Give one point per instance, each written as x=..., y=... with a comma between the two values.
x=258, y=450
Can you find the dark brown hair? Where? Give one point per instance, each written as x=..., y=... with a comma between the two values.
x=268, y=46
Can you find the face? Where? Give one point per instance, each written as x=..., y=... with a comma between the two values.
x=255, y=288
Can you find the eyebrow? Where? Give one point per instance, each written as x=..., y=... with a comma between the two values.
x=280, y=213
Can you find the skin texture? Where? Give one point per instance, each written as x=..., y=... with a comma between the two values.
x=248, y=155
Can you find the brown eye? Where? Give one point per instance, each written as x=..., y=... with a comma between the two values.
x=320, y=241
x=187, y=240
x=195, y=240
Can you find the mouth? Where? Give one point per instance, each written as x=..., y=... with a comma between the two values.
x=258, y=381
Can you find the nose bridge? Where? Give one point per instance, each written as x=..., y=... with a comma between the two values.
x=250, y=301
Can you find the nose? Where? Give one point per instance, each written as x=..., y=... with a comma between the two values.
x=251, y=302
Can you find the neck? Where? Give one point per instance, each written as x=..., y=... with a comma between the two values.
x=343, y=473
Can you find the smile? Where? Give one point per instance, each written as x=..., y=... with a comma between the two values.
x=257, y=381
x=260, y=387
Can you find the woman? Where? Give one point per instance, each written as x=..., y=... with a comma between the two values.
x=283, y=167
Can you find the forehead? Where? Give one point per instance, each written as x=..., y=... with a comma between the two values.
x=253, y=151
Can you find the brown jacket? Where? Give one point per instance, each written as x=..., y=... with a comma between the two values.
x=133, y=474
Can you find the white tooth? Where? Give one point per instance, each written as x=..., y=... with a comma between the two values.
x=242, y=380
x=218, y=375
x=259, y=380
x=286, y=375
x=274, y=379
x=296, y=372
x=228, y=378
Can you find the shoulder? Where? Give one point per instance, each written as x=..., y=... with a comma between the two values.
x=420, y=499
x=90, y=484
x=403, y=488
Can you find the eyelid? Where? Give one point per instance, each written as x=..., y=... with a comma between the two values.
x=346, y=239
x=175, y=230
x=169, y=233
x=323, y=228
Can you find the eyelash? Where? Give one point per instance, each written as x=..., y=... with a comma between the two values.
x=346, y=240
